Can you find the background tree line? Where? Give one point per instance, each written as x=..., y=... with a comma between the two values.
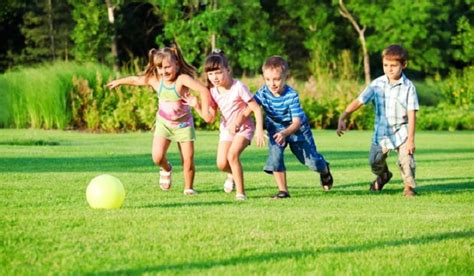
x=311, y=34
x=328, y=43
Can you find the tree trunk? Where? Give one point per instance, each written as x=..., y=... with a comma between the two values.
x=213, y=35
x=345, y=13
x=51, y=30
x=114, y=48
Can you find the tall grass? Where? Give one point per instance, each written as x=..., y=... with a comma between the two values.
x=37, y=97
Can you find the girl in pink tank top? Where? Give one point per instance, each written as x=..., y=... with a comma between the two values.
x=232, y=98
x=171, y=77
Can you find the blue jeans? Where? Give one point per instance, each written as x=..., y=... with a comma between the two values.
x=305, y=151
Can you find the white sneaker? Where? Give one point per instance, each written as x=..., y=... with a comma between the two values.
x=240, y=197
x=229, y=184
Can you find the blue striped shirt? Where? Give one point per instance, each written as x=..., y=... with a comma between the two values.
x=280, y=111
x=392, y=103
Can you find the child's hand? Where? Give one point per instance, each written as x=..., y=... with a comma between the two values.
x=233, y=128
x=410, y=147
x=113, y=84
x=190, y=99
x=260, y=138
x=341, y=127
x=279, y=138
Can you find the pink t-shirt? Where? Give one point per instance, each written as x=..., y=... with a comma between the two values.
x=232, y=103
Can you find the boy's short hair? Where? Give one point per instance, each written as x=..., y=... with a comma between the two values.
x=395, y=52
x=276, y=62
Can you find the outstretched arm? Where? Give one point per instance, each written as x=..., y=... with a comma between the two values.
x=341, y=125
x=131, y=80
x=188, y=81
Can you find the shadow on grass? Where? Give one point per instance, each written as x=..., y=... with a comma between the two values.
x=183, y=204
x=253, y=161
x=281, y=256
x=445, y=186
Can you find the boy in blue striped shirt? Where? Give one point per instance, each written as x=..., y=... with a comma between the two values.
x=287, y=124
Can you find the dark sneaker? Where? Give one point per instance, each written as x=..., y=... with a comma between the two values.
x=281, y=194
x=380, y=181
x=326, y=180
x=409, y=192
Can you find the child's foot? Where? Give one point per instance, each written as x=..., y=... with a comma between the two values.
x=380, y=181
x=326, y=180
x=281, y=194
x=189, y=192
x=165, y=178
x=240, y=197
x=229, y=184
x=409, y=191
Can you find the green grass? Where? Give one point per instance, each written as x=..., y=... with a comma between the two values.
x=46, y=226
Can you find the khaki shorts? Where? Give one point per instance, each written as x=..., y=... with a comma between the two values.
x=182, y=132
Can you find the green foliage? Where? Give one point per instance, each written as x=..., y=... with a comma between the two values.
x=46, y=27
x=240, y=28
x=94, y=107
x=38, y=96
x=458, y=87
x=92, y=33
x=445, y=117
x=465, y=40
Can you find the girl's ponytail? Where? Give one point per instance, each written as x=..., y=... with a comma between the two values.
x=184, y=67
x=151, y=70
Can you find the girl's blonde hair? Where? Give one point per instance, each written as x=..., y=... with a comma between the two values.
x=216, y=60
x=173, y=54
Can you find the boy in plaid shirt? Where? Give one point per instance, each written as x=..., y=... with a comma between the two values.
x=396, y=103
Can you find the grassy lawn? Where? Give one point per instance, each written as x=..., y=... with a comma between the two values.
x=46, y=226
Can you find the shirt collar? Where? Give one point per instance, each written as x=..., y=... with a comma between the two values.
x=402, y=80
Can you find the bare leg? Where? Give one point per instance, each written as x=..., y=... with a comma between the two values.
x=186, y=150
x=158, y=152
x=233, y=156
x=280, y=178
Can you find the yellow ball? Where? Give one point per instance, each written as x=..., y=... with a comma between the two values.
x=105, y=192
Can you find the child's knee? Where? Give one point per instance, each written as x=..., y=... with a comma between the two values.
x=221, y=164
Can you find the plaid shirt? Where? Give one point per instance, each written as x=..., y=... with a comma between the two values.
x=392, y=102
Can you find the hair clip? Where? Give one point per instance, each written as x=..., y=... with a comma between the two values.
x=217, y=51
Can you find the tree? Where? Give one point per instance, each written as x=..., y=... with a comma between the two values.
x=361, y=31
x=92, y=32
x=240, y=28
x=45, y=27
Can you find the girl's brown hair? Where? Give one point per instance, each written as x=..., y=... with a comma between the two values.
x=216, y=60
x=172, y=53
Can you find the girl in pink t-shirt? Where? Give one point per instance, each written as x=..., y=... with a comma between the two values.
x=232, y=97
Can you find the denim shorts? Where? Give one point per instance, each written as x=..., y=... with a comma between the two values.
x=304, y=150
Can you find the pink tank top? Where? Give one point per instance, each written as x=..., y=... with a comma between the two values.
x=171, y=107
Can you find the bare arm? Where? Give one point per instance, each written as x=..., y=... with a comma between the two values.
x=411, y=131
x=187, y=81
x=341, y=125
x=257, y=111
x=131, y=80
x=192, y=101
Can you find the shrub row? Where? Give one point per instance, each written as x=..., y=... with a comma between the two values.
x=74, y=96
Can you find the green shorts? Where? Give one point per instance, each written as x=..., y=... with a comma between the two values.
x=182, y=132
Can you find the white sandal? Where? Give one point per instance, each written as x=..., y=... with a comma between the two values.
x=229, y=184
x=165, y=183
x=240, y=197
x=189, y=192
